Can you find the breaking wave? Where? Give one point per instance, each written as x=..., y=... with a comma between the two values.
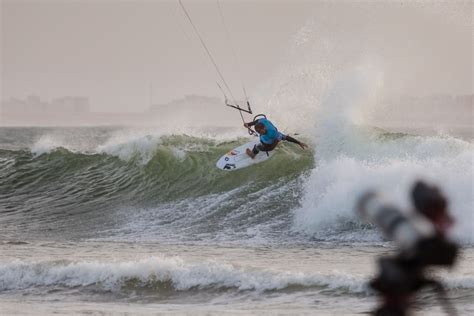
x=172, y=274
x=351, y=158
x=165, y=274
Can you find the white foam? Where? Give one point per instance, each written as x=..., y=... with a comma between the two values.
x=128, y=145
x=46, y=144
x=183, y=276
x=74, y=140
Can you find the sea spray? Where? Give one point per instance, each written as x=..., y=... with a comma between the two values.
x=352, y=157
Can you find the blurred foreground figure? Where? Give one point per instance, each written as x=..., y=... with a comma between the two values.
x=422, y=240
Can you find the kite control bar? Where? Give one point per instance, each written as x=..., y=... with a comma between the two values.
x=237, y=107
x=249, y=111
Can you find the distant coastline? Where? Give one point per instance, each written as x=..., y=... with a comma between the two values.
x=430, y=113
x=76, y=111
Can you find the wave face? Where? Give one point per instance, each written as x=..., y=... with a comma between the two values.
x=134, y=184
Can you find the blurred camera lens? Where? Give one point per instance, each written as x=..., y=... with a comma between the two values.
x=405, y=229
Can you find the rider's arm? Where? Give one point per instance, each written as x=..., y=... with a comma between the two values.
x=290, y=139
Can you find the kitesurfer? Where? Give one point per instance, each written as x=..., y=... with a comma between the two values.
x=269, y=137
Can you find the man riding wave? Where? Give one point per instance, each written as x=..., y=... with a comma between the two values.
x=269, y=137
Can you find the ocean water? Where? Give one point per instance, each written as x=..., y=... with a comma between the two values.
x=132, y=221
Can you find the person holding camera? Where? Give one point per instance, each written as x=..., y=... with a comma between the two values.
x=422, y=242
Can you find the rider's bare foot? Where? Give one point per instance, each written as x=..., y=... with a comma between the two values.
x=250, y=153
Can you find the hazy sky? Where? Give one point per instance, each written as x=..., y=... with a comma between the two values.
x=112, y=50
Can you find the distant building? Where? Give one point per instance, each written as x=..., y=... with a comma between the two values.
x=193, y=110
x=31, y=105
x=189, y=102
x=34, y=105
x=33, y=110
x=70, y=105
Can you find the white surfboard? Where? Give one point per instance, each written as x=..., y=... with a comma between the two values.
x=237, y=158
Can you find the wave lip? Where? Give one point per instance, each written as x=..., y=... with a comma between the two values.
x=159, y=273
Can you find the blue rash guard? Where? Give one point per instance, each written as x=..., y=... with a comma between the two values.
x=272, y=135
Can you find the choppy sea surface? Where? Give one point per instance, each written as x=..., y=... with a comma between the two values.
x=139, y=221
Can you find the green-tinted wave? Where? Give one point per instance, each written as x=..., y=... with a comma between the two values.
x=57, y=190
